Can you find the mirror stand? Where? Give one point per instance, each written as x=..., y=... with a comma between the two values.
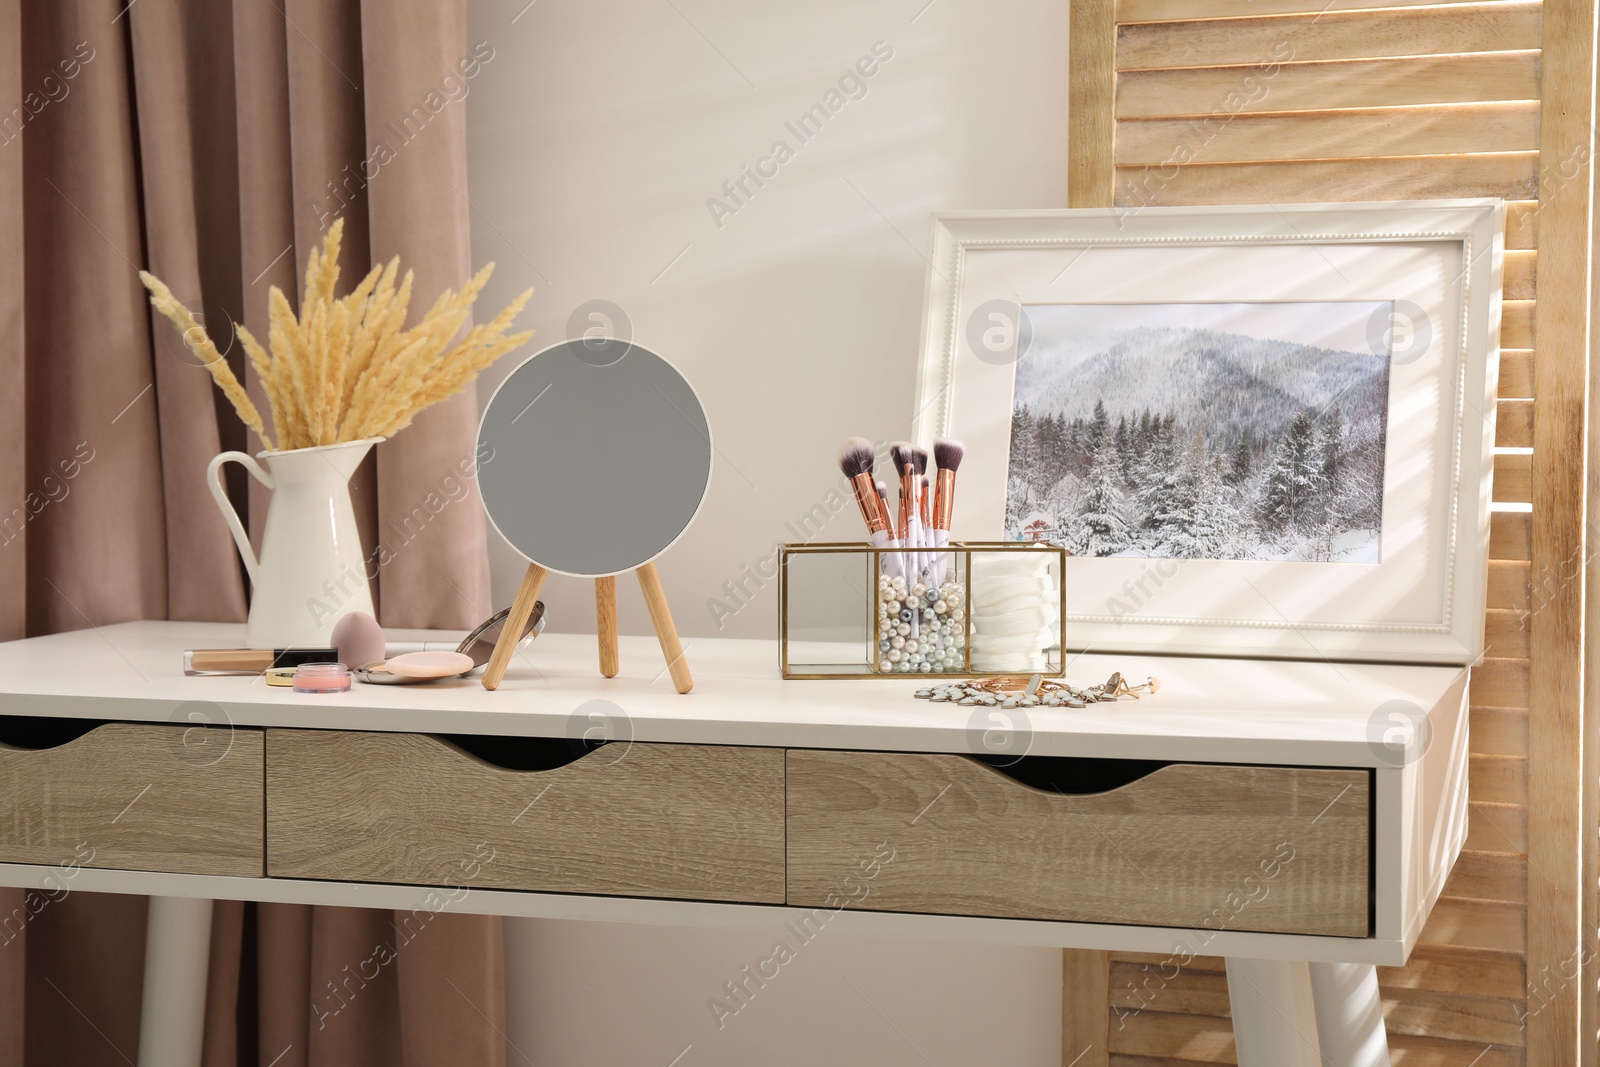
x=605, y=593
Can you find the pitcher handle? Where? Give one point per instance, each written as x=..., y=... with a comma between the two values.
x=224, y=505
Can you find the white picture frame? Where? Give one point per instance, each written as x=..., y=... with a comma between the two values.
x=1439, y=265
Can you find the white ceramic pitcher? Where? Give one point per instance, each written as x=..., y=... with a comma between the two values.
x=311, y=571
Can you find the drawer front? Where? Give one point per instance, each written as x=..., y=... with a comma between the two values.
x=695, y=822
x=1277, y=849
x=133, y=796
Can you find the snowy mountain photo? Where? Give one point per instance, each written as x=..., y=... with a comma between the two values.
x=1201, y=431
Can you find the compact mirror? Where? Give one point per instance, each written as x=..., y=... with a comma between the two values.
x=594, y=457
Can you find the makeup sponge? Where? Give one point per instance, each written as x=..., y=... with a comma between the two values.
x=430, y=665
x=359, y=639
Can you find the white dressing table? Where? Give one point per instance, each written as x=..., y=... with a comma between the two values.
x=1265, y=812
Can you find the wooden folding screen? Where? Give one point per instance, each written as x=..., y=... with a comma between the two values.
x=1274, y=101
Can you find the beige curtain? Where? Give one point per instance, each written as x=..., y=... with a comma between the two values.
x=213, y=142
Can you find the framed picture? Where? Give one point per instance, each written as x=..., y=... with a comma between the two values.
x=1259, y=431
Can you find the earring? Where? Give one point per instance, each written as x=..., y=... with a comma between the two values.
x=1152, y=683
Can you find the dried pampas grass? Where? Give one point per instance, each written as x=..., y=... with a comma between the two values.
x=344, y=369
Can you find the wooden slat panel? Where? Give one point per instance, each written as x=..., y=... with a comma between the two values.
x=1411, y=1051
x=1266, y=155
x=1447, y=1017
x=1497, y=828
x=1091, y=89
x=1085, y=991
x=1510, y=535
x=1522, y=224
x=1498, y=779
x=1561, y=829
x=1516, y=324
x=1477, y=974
x=1513, y=424
x=1506, y=634
x=1201, y=1038
x=1138, y=989
x=1498, y=731
x=1173, y=10
x=1340, y=35
x=1513, y=478
x=1521, y=267
x=1431, y=1012
x=1509, y=584
x=1475, y=924
x=1466, y=79
x=1165, y=961
x=1516, y=372
x=1510, y=127
x=1508, y=174
x=1407, y=1051
x=1490, y=876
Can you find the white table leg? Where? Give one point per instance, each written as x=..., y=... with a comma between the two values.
x=1349, y=1015
x=1274, y=1020
x=177, y=958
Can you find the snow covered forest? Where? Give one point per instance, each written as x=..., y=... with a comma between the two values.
x=1200, y=444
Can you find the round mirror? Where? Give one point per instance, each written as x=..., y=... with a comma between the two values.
x=593, y=457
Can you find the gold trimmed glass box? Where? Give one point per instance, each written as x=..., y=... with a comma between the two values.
x=850, y=610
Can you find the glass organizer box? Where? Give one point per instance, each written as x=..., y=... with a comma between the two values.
x=849, y=610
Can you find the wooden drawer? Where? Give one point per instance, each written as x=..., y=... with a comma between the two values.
x=131, y=796
x=1280, y=849
x=693, y=822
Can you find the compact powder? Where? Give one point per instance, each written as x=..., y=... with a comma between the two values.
x=280, y=675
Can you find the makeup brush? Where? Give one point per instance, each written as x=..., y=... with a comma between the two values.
x=901, y=453
x=919, y=460
x=947, y=454
x=888, y=513
x=857, y=460
x=905, y=471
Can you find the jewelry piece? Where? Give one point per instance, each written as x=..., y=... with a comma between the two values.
x=1034, y=691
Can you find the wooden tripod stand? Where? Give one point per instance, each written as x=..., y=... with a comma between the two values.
x=605, y=597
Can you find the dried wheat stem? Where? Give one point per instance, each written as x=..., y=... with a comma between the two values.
x=199, y=342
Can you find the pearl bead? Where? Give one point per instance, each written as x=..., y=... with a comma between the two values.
x=910, y=644
x=902, y=629
x=897, y=642
x=894, y=655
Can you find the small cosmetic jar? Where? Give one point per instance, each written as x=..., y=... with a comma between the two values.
x=322, y=678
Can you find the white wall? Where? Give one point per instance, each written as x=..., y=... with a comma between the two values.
x=600, y=129
x=596, y=135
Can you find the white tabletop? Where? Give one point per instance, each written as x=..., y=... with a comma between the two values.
x=1250, y=711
